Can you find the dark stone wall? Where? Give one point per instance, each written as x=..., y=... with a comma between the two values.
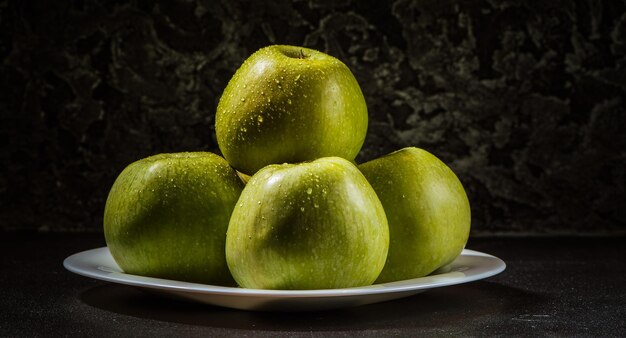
x=523, y=99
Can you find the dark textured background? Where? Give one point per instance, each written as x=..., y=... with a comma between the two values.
x=523, y=99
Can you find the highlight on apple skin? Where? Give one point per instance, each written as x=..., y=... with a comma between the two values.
x=166, y=216
x=427, y=209
x=289, y=104
x=314, y=225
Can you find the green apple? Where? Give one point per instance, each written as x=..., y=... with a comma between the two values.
x=289, y=104
x=167, y=215
x=313, y=225
x=427, y=210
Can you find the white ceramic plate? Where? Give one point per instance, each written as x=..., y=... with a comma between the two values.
x=469, y=266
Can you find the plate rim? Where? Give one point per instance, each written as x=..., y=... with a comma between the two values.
x=82, y=263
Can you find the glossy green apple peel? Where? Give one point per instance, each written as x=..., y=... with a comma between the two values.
x=316, y=225
x=289, y=104
x=167, y=215
x=427, y=210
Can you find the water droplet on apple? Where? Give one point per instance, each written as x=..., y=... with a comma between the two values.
x=243, y=100
x=289, y=101
x=316, y=205
x=260, y=118
x=309, y=191
x=302, y=209
x=297, y=77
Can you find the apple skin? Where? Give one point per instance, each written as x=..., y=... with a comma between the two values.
x=166, y=216
x=314, y=225
x=289, y=104
x=427, y=210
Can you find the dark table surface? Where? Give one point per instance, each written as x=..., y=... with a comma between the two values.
x=564, y=286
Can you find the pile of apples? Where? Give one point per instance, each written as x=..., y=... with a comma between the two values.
x=287, y=207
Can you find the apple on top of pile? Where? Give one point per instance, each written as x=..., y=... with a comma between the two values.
x=287, y=207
